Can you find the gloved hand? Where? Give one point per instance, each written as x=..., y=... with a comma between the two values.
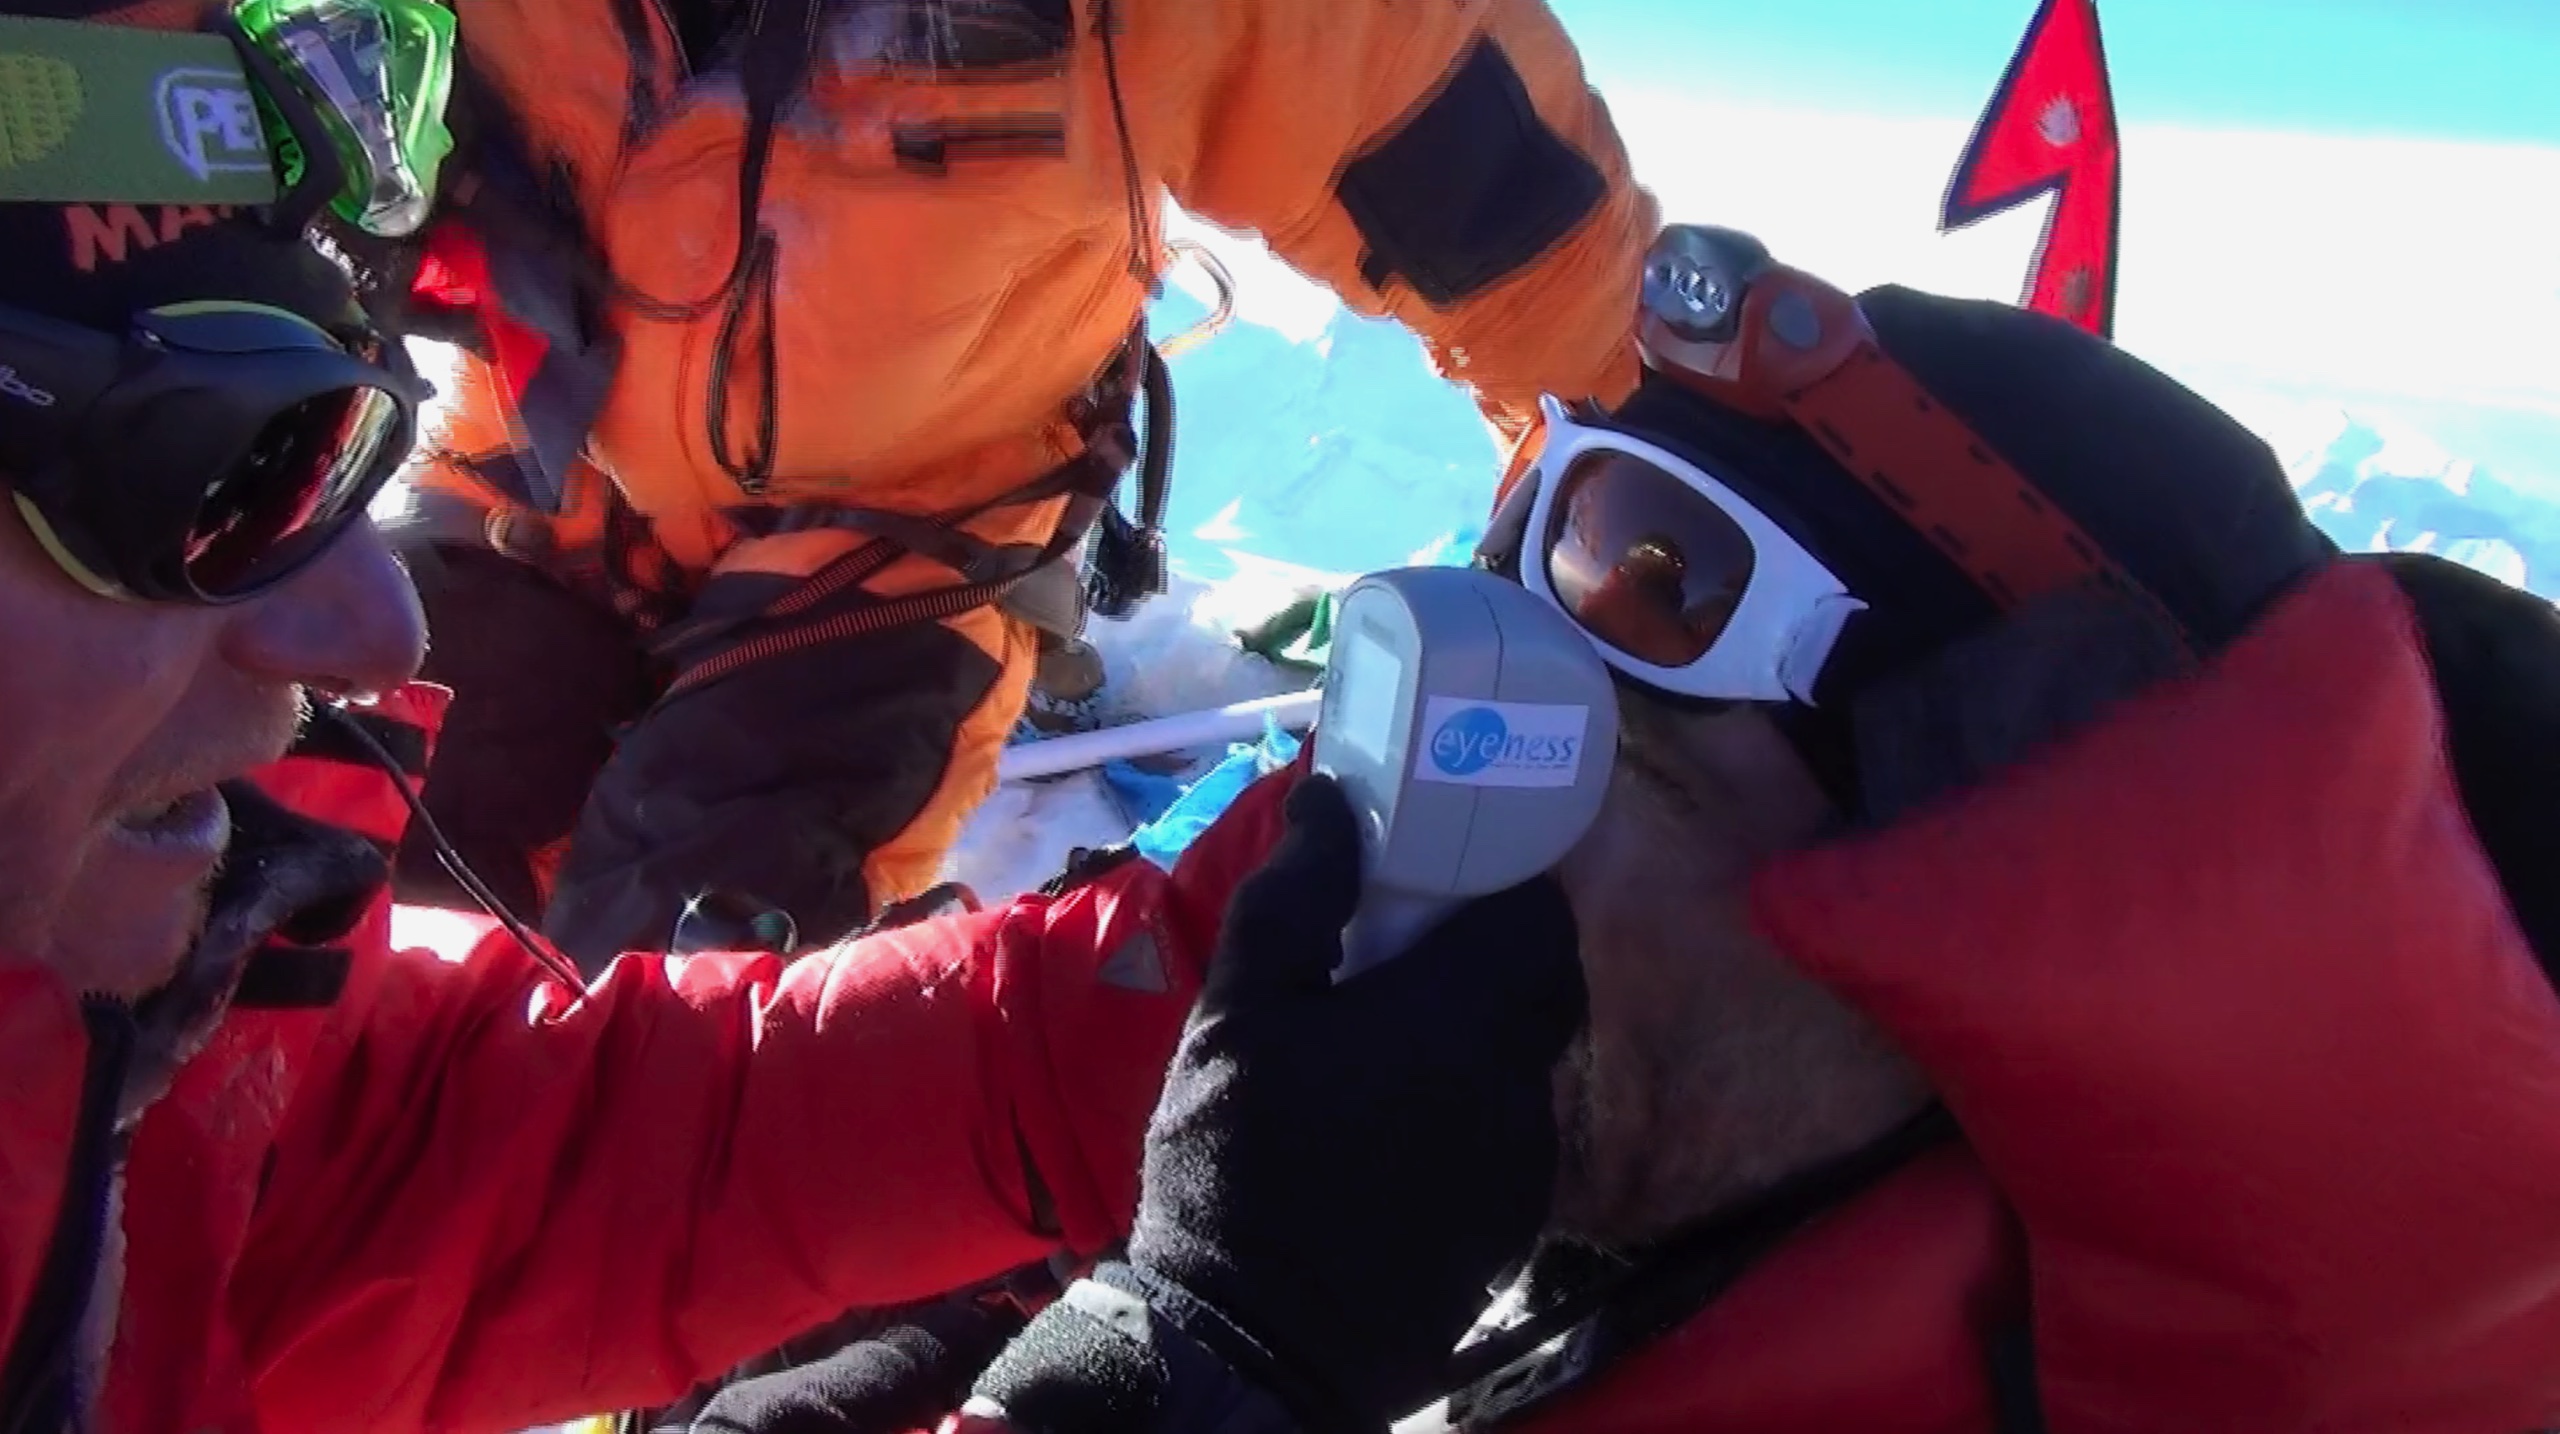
x=1335, y=1174
x=905, y=1377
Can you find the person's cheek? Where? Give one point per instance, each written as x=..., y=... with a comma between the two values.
x=37, y=862
x=62, y=742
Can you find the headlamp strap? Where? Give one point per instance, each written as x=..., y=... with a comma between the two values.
x=1725, y=321
x=111, y=114
x=287, y=106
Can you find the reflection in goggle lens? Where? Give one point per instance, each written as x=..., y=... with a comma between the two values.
x=299, y=478
x=1647, y=563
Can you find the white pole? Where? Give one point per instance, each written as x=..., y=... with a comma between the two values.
x=1235, y=722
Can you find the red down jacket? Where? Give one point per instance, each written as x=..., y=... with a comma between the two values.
x=2261, y=1084
x=458, y=1199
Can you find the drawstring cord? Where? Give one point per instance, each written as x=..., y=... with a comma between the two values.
x=558, y=966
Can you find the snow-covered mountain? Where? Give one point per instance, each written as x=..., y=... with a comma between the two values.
x=2375, y=487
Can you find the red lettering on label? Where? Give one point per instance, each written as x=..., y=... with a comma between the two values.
x=120, y=231
x=110, y=236
x=177, y=219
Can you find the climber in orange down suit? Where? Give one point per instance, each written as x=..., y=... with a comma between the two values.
x=802, y=348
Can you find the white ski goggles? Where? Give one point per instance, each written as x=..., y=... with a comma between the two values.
x=1681, y=584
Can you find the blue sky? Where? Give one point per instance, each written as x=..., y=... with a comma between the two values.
x=2450, y=69
x=2273, y=149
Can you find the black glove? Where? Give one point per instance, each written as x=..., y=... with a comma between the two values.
x=1335, y=1174
x=906, y=1377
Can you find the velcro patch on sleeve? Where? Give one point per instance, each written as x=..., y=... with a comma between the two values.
x=1471, y=189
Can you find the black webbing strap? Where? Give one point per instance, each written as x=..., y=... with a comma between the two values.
x=1512, y=1371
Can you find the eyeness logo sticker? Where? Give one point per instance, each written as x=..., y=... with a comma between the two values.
x=1501, y=744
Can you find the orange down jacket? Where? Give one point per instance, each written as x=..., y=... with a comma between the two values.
x=964, y=217
x=960, y=224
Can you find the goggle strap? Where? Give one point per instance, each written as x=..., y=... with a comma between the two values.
x=1800, y=350
x=1876, y=421
x=55, y=548
x=1506, y=535
x=1808, y=652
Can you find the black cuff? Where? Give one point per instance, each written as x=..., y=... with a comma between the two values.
x=1116, y=1354
x=1207, y=1325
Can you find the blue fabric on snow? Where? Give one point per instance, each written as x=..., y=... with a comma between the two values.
x=1142, y=795
x=1165, y=838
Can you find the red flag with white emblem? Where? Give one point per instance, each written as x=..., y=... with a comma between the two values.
x=2051, y=129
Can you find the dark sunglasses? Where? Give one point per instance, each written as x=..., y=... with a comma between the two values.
x=204, y=455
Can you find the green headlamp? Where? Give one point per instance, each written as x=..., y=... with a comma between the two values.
x=295, y=105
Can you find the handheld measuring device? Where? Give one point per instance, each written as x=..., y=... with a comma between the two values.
x=1473, y=728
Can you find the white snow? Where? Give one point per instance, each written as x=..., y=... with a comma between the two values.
x=1176, y=654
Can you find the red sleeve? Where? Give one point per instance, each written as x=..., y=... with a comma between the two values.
x=503, y=1207
x=41, y=1050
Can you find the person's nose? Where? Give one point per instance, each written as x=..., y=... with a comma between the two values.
x=349, y=625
